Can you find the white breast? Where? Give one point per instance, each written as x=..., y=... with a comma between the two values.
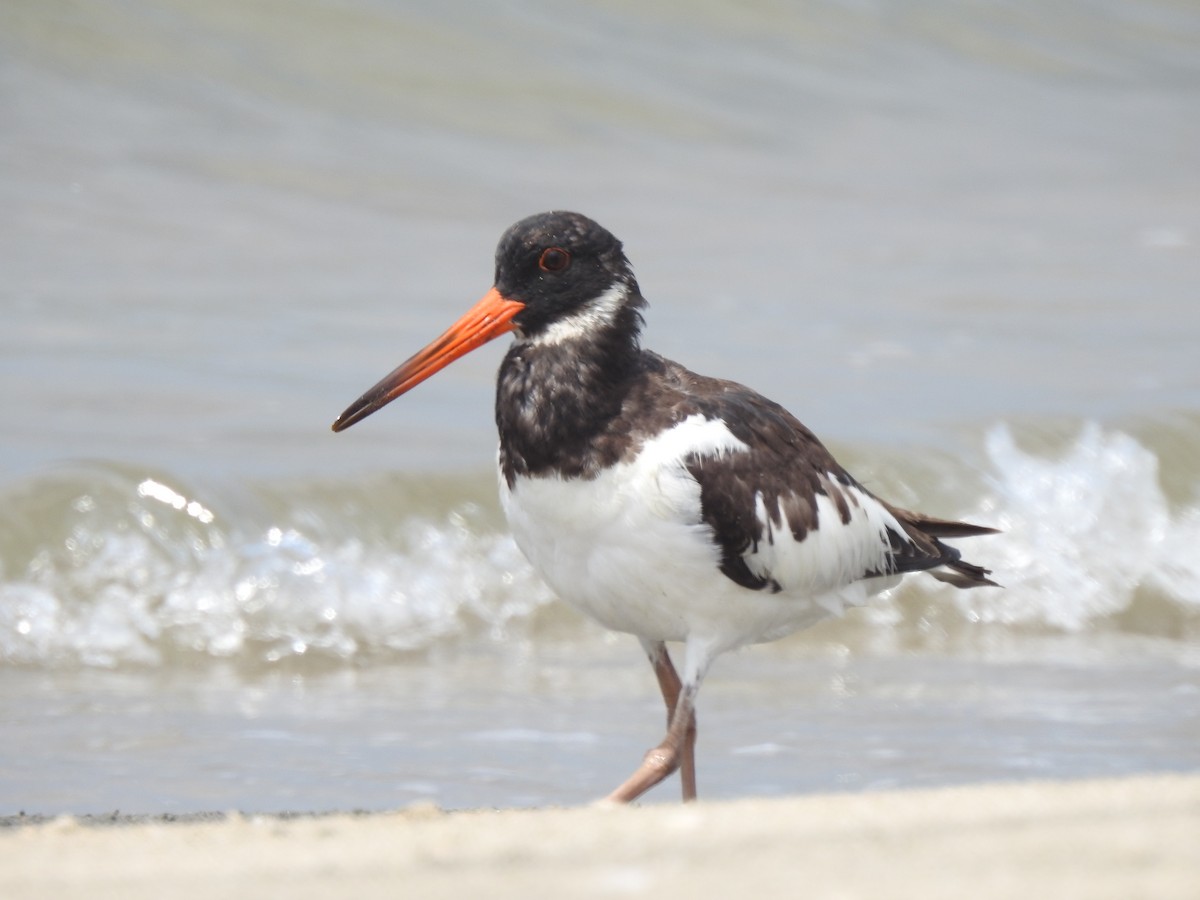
x=629, y=549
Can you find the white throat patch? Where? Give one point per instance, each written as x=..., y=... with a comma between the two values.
x=596, y=313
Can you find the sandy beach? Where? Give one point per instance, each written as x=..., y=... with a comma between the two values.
x=1135, y=837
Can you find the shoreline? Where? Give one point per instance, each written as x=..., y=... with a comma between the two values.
x=1135, y=836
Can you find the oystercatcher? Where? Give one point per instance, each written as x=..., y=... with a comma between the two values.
x=662, y=503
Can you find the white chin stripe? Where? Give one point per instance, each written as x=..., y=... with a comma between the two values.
x=594, y=315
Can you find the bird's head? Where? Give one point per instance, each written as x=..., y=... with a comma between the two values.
x=559, y=277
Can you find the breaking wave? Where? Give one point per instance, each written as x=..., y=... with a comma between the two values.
x=107, y=565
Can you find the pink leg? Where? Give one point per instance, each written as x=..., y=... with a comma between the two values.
x=678, y=748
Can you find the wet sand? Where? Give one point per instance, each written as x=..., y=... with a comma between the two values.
x=1095, y=839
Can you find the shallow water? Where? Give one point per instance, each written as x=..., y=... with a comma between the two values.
x=962, y=245
x=470, y=730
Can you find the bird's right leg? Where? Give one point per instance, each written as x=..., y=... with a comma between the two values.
x=671, y=687
x=678, y=748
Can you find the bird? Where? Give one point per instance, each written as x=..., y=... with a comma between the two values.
x=672, y=506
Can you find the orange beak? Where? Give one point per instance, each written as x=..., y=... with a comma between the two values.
x=487, y=319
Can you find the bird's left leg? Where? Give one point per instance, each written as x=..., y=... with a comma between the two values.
x=670, y=685
x=663, y=759
x=677, y=745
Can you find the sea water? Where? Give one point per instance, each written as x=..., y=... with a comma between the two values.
x=963, y=245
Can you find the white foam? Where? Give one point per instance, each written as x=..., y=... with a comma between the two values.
x=128, y=587
x=1082, y=533
x=129, y=570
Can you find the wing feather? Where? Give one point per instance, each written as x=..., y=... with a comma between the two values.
x=787, y=485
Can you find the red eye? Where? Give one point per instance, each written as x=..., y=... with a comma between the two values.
x=554, y=259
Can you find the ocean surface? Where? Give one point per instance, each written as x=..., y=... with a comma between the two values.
x=961, y=242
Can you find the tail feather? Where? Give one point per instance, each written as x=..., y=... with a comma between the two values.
x=924, y=551
x=943, y=528
x=964, y=575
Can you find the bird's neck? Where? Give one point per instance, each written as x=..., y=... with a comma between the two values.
x=554, y=399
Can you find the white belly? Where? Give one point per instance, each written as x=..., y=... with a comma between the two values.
x=629, y=549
